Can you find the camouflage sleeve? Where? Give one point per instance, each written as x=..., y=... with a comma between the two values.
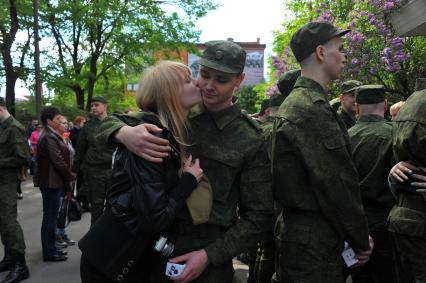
x=322, y=147
x=21, y=150
x=113, y=123
x=80, y=150
x=255, y=210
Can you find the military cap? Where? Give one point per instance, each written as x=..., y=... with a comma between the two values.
x=307, y=38
x=276, y=100
x=287, y=81
x=350, y=86
x=420, y=84
x=100, y=99
x=263, y=106
x=370, y=94
x=223, y=55
x=2, y=102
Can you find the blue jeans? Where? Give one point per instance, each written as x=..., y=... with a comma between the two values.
x=51, y=198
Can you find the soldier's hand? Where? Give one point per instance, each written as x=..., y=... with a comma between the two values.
x=195, y=262
x=193, y=168
x=141, y=140
x=401, y=170
x=420, y=180
x=364, y=256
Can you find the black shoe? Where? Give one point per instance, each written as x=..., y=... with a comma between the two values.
x=55, y=258
x=6, y=264
x=18, y=273
x=68, y=240
x=61, y=252
x=20, y=196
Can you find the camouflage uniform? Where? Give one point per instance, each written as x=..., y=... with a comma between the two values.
x=94, y=159
x=407, y=219
x=316, y=183
x=14, y=155
x=371, y=140
x=346, y=118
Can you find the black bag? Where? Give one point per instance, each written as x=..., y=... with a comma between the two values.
x=63, y=213
x=74, y=210
x=114, y=244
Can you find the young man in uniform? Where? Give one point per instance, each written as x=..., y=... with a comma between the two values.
x=315, y=180
x=94, y=158
x=347, y=109
x=371, y=140
x=14, y=157
x=233, y=155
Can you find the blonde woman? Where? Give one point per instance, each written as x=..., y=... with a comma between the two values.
x=154, y=192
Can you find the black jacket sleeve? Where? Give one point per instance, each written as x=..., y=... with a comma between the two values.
x=155, y=203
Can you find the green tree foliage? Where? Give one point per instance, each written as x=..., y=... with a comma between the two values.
x=16, y=16
x=248, y=99
x=96, y=40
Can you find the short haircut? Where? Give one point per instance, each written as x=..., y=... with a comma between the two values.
x=48, y=113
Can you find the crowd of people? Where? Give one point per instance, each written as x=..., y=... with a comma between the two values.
x=191, y=181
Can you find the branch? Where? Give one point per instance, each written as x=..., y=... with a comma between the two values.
x=26, y=48
x=107, y=67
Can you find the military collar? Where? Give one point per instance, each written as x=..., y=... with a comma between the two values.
x=319, y=92
x=221, y=118
x=346, y=114
x=371, y=118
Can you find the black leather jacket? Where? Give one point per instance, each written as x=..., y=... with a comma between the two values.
x=154, y=191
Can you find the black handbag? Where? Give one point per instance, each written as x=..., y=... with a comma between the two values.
x=63, y=212
x=114, y=244
x=74, y=210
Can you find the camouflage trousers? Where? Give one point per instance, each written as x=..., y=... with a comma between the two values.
x=308, y=251
x=11, y=233
x=413, y=253
x=97, y=180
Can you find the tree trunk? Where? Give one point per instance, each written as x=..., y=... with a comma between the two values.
x=79, y=95
x=92, y=80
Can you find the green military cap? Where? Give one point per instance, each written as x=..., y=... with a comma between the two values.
x=2, y=102
x=350, y=86
x=100, y=99
x=276, y=100
x=370, y=94
x=420, y=84
x=263, y=106
x=307, y=38
x=287, y=81
x=223, y=55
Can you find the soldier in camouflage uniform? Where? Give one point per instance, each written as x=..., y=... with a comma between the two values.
x=315, y=180
x=94, y=158
x=14, y=158
x=346, y=110
x=233, y=155
x=371, y=140
x=264, y=267
x=407, y=218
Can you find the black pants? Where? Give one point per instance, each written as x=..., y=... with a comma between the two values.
x=51, y=198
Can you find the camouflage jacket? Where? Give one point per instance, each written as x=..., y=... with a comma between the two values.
x=233, y=155
x=313, y=170
x=371, y=140
x=90, y=151
x=347, y=119
x=14, y=150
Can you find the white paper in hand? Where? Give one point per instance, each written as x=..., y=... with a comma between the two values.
x=173, y=269
x=348, y=255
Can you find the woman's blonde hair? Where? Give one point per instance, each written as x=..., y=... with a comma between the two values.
x=159, y=92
